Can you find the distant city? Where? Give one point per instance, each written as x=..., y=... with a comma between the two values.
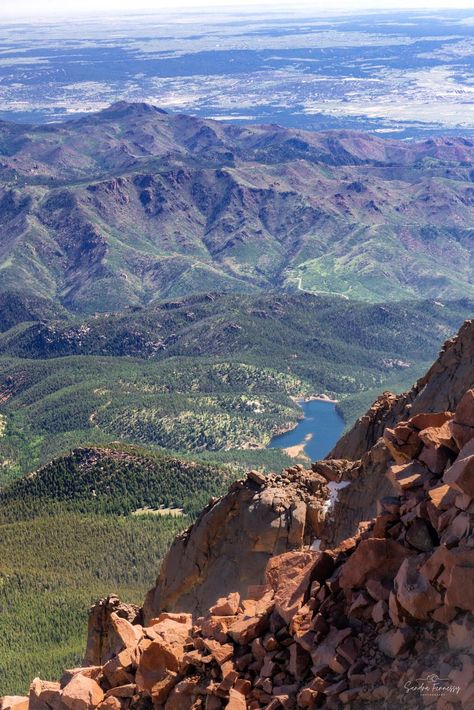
x=401, y=75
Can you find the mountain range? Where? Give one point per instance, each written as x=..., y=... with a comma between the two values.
x=132, y=205
x=170, y=288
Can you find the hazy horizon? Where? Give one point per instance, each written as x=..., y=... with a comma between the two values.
x=33, y=8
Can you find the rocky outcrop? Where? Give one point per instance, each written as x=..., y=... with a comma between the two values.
x=228, y=547
x=440, y=389
x=102, y=639
x=382, y=620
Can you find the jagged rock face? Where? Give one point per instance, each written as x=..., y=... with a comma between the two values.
x=101, y=637
x=384, y=620
x=440, y=389
x=359, y=487
x=228, y=547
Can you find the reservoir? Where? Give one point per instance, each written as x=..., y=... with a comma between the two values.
x=317, y=432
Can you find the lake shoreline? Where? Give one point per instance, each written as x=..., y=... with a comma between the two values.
x=315, y=433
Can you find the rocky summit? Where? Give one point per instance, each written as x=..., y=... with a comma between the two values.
x=346, y=585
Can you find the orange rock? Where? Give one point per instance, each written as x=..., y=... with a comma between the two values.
x=376, y=558
x=461, y=434
x=227, y=683
x=94, y=672
x=439, y=494
x=430, y=420
x=14, y=702
x=435, y=458
x=237, y=701
x=290, y=574
x=444, y=614
x=407, y=476
x=439, y=436
x=465, y=410
x=110, y=703
x=461, y=475
x=220, y=652
x=128, y=634
x=182, y=696
x=82, y=693
x=403, y=442
x=226, y=606
x=173, y=629
x=122, y=691
x=324, y=653
x=216, y=627
x=44, y=695
x=414, y=593
x=243, y=686
x=158, y=668
x=243, y=631
x=117, y=670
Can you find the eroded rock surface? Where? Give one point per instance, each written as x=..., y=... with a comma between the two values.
x=439, y=390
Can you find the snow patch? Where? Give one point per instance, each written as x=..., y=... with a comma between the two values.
x=333, y=494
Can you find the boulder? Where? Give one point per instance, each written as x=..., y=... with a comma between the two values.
x=290, y=574
x=373, y=558
x=157, y=670
x=183, y=696
x=413, y=592
x=236, y=700
x=82, y=693
x=45, y=695
x=221, y=652
x=102, y=640
x=465, y=410
x=228, y=547
x=226, y=606
x=461, y=476
x=393, y=643
x=128, y=634
x=324, y=654
x=14, y=702
x=245, y=630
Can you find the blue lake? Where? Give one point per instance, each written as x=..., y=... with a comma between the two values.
x=321, y=422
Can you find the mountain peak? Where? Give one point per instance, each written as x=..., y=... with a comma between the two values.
x=131, y=108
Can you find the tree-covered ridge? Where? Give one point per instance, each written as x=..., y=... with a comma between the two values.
x=225, y=377
x=223, y=324
x=113, y=480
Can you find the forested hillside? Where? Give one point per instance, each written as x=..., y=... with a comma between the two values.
x=205, y=374
x=94, y=520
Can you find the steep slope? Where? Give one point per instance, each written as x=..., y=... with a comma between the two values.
x=383, y=617
x=440, y=389
x=133, y=204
